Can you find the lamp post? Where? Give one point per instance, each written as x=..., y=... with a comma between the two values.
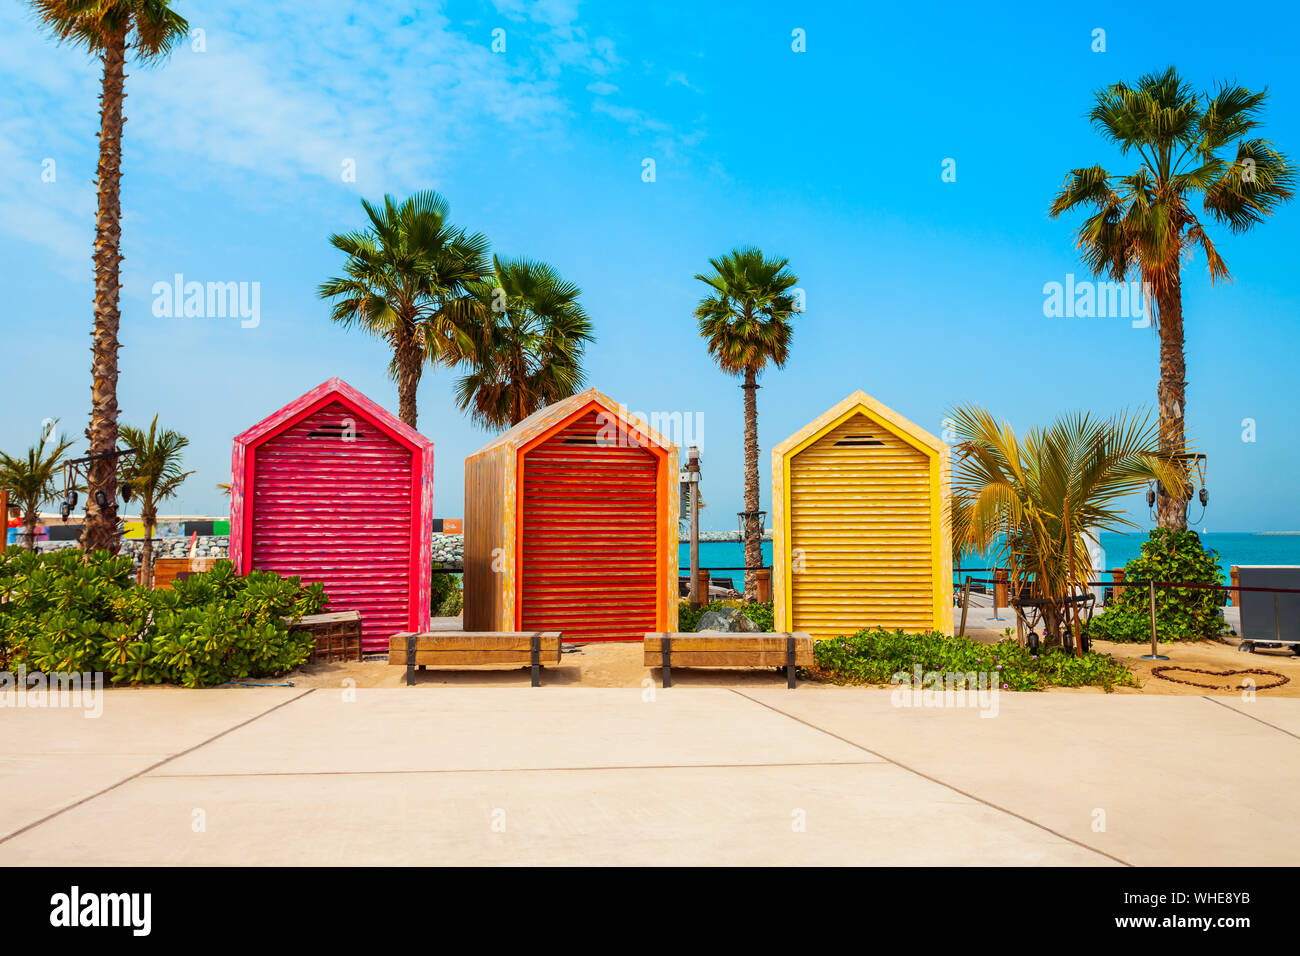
x=691, y=478
x=75, y=472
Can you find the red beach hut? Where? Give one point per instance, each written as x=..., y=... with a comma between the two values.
x=336, y=490
x=571, y=525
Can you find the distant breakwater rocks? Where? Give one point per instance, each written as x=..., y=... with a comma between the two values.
x=448, y=549
x=205, y=546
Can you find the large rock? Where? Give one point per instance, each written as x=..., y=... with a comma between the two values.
x=727, y=620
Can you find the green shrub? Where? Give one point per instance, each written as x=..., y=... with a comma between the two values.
x=446, y=599
x=1182, y=614
x=65, y=611
x=874, y=656
x=688, y=617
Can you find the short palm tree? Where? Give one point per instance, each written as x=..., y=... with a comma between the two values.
x=1143, y=223
x=105, y=29
x=523, y=344
x=404, y=281
x=32, y=480
x=1033, y=501
x=746, y=318
x=153, y=474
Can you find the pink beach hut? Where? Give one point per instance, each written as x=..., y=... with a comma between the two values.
x=335, y=489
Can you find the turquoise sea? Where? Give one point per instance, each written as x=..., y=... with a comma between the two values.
x=1233, y=548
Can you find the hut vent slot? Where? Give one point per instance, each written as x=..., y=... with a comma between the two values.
x=333, y=431
x=857, y=441
x=581, y=441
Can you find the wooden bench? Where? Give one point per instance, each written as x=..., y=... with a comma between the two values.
x=453, y=648
x=684, y=649
x=336, y=636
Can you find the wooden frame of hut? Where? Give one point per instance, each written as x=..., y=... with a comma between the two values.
x=862, y=533
x=336, y=490
x=571, y=525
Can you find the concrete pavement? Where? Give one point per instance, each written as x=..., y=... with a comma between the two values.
x=691, y=775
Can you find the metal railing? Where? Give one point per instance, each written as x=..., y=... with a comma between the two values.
x=1151, y=590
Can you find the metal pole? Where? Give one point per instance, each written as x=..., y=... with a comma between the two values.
x=965, y=602
x=1155, y=654
x=997, y=573
x=693, y=475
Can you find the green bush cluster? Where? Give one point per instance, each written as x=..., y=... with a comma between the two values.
x=1182, y=614
x=446, y=597
x=64, y=611
x=873, y=656
x=760, y=614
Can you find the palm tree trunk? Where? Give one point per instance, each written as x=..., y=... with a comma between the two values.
x=1171, y=396
x=753, y=535
x=29, y=529
x=101, y=520
x=410, y=366
x=517, y=413
x=146, y=550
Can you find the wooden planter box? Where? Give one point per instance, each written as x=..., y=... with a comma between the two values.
x=337, y=635
x=165, y=570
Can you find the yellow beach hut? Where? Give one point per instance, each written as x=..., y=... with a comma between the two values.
x=861, y=535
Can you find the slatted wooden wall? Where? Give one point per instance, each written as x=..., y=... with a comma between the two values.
x=336, y=490
x=590, y=542
x=576, y=513
x=861, y=536
x=489, y=538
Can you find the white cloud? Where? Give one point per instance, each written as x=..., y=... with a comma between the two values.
x=285, y=95
x=679, y=79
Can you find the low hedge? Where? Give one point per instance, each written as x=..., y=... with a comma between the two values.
x=66, y=611
x=873, y=656
x=688, y=617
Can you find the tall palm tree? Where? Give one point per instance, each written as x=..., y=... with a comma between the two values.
x=523, y=344
x=106, y=29
x=746, y=320
x=1143, y=222
x=1033, y=500
x=31, y=480
x=153, y=474
x=404, y=282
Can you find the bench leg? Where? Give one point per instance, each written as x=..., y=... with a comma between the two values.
x=410, y=661
x=536, y=652
x=789, y=662
x=666, y=649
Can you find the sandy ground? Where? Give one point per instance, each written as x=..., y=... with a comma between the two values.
x=618, y=664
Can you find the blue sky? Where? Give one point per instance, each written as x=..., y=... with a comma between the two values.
x=924, y=293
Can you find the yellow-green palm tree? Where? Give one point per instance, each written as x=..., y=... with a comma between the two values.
x=107, y=29
x=31, y=479
x=746, y=319
x=1032, y=501
x=1144, y=223
x=153, y=474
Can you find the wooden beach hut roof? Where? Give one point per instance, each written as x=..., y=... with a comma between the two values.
x=542, y=420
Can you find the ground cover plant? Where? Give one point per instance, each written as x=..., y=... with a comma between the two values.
x=66, y=611
x=873, y=656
